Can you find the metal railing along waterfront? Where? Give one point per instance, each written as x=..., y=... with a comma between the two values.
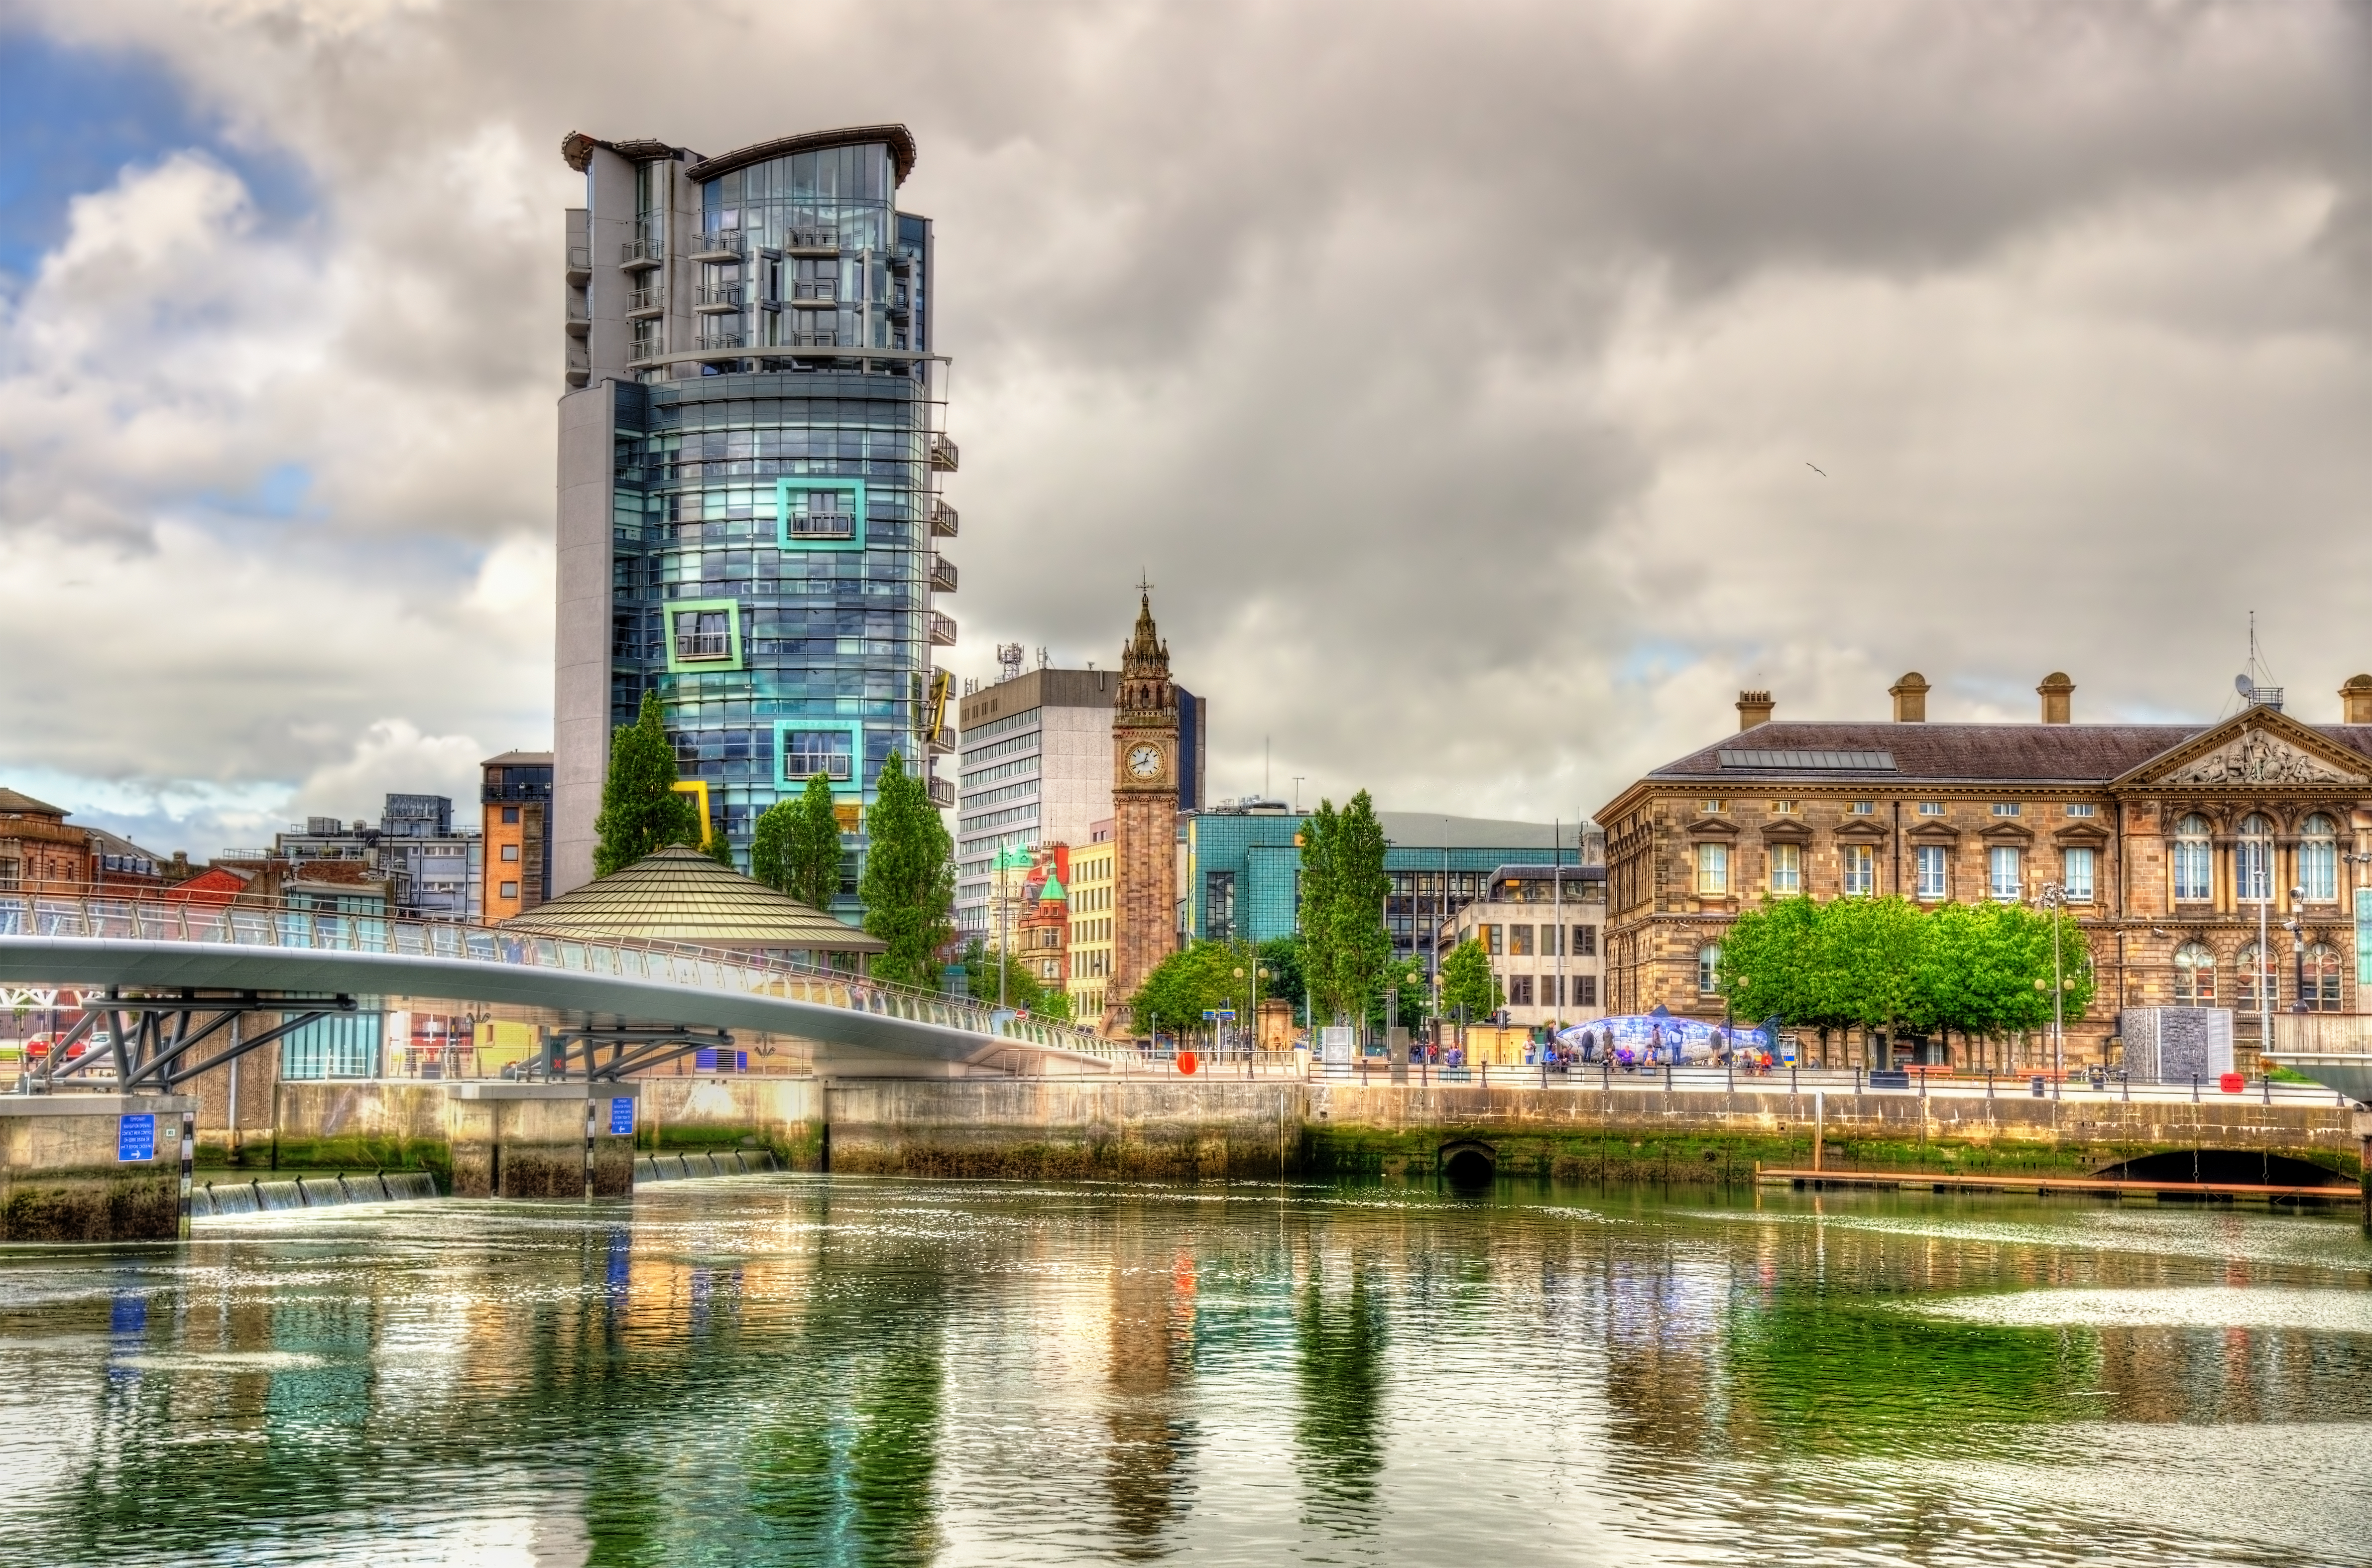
x=665, y=962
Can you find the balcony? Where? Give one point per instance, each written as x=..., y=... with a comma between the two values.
x=943, y=575
x=837, y=766
x=579, y=315
x=718, y=342
x=816, y=294
x=647, y=251
x=943, y=793
x=811, y=340
x=643, y=302
x=943, y=520
x=648, y=352
x=690, y=646
x=580, y=263
x=811, y=242
x=721, y=245
x=719, y=298
x=823, y=525
x=942, y=630
x=942, y=738
x=943, y=453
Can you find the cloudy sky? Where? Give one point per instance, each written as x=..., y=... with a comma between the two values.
x=1491, y=389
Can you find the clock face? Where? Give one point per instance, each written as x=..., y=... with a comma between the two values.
x=1145, y=761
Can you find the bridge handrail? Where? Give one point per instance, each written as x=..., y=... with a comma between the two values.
x=276, y=925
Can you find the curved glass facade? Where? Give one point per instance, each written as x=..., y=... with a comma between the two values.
x=773, y=441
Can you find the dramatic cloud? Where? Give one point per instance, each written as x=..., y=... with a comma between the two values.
x=1459, y=374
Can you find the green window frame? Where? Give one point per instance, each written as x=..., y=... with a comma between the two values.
x=733, y=645
x=785, y=488
x=787, y=784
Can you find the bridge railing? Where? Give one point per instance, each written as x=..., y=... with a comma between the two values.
x=665, y=962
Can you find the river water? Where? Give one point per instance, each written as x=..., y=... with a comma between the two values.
x=829, y=1370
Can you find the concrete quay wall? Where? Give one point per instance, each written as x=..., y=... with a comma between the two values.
x=69, y=1173
x=532, y=1144
x=1648, y=1134
x=1064, y=1128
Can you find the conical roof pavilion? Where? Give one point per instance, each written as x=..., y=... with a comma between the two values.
x=680, y=895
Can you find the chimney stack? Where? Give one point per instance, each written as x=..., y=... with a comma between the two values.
x=2058, y=694
x=1753, y=708
x=1910, y=695
x=2355, y=700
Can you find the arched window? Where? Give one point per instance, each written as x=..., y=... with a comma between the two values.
x=2252, y=860
x=2194, y=861
x=1709, y=967
x=2249, y=969
x=2319, y=859
x=2320, y=993
x=2194, y=975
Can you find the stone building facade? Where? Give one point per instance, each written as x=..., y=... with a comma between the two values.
x=2212, y=865
x=1145, y=817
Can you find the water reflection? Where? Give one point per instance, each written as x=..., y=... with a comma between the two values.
x=1339, y=1365
x=805, y=1370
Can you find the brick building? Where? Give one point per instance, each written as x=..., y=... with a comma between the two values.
x=2176, y=846
x=41, y=854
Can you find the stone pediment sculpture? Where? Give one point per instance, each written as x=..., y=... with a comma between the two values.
x=2258, y=758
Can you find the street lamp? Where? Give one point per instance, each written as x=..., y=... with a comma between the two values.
x=2053, y=898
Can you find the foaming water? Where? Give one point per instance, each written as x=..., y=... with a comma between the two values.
x=796, y=1369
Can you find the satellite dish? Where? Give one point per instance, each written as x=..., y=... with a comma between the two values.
x=2243, y=685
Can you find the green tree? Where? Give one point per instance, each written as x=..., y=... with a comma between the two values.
x=1023, y=991
x=1766, y=960
x=1318, y=840
x=1363, y=943
x=795, y=848
x=1466, y=982
x=720, y=849
x=1281, y=957
x=1195, y=978
x=909, y=884
x=642, y=811
x=1345, y=946
x=1407, y=977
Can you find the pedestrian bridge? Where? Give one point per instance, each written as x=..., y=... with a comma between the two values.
x=162, y=970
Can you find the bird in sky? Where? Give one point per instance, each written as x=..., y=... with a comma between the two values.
x=1817, y=469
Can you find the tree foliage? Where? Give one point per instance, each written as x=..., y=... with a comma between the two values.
x=1280, y=956
x=1978, y=970
x=642, y=811
x=1346, y=948
x=1466, y=982
x=909, y=884
x=795, y=848
x=1197, y=977
x=1023, y=991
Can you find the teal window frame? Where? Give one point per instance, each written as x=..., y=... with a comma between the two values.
x=732, y=607
x=852, y=728
x=783, y=490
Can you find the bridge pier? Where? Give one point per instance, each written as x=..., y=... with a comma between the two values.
x=93, y=1167
x=558, y=1139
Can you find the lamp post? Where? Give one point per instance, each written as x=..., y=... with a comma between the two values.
x=2054, y=898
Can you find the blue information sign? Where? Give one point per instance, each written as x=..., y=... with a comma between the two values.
x=622, y=1115
x=135, y=1138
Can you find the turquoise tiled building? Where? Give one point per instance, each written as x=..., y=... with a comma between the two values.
x=1242, y=866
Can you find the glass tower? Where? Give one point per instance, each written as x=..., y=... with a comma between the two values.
x=750, y=455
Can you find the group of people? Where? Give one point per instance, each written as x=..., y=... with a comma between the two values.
x=1664, y=1043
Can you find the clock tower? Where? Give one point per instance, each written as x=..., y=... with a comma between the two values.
x=1145, y=817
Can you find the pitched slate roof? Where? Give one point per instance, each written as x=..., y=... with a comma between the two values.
x=1951, y=753
x=25, y=804
x=680, y=895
